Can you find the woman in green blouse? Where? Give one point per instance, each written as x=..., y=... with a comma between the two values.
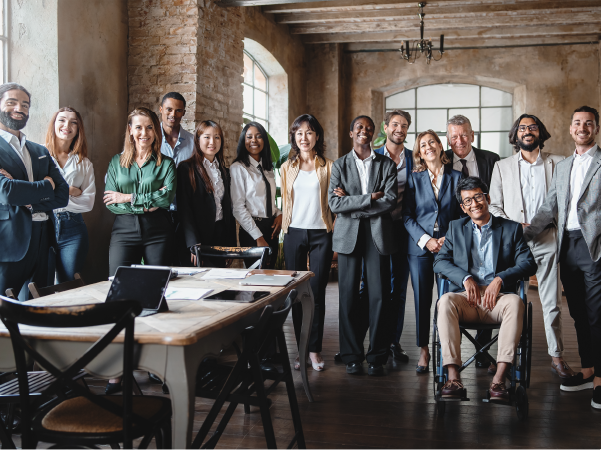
x=140, y=186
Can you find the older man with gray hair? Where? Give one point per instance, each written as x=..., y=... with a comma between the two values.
x=471, y=162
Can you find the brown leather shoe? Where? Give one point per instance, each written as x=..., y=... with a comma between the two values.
x=452, y=389
x=563, y=370
x=492, y=369
x=498, y=392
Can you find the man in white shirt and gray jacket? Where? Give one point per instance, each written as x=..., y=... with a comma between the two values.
x=518, y=188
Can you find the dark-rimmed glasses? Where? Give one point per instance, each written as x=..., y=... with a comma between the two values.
x=532, y=128
x=478, y=198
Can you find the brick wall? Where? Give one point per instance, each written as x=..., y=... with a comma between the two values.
x=193, y=47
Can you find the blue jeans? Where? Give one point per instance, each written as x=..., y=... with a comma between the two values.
x=73, y=245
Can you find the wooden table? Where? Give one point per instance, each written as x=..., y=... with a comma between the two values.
x=171, y=344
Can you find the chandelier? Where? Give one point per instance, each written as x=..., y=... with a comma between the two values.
x=409, y=50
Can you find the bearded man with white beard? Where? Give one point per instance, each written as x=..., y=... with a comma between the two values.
x=30, y=188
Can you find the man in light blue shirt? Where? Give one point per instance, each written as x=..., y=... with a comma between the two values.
x=482, y=263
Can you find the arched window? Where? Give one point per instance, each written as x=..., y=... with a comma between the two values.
x=256, y=92
x=489, y=110
x=4, y=40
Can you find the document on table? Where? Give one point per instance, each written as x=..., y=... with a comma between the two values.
x=190, y=271
x=219, y=273
x=186, y=294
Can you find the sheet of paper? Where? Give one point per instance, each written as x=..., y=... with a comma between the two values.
x=190, y=271
x=186, y=294
x=219, y=273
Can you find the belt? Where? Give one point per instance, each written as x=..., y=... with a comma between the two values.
x=257, y=219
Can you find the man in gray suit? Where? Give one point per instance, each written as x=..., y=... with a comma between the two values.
x=363, y=193
x=573, y=201
x=518, y=188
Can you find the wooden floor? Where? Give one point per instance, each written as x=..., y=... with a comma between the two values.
x=398, y=410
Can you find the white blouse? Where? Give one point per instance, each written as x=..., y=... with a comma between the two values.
x=306, y=203
x=218, y=186
x=79, y=175
x=248, y=195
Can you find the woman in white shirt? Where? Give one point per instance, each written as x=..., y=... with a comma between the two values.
x=429, y=206
x=203, y=193
x=307, y=222
x=253, y=192
x=66, y=142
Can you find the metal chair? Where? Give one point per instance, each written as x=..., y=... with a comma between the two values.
x=244, y=383
x=67, y=414
x=38, y=292
x=519, y=374
x=220, y=252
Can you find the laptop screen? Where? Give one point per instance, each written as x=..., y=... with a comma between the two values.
x=139, y=284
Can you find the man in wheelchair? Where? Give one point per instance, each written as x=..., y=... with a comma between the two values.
x=483, y=257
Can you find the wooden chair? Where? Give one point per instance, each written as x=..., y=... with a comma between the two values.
x=38, y=292
x=244, y=383
x=220, y=252
x=67, y=414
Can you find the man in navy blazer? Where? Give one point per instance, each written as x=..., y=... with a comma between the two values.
x=484, y=257
x=30, y=188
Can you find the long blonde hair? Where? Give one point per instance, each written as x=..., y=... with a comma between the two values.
x=418, y=164
x=129, y=146
x=79, y=145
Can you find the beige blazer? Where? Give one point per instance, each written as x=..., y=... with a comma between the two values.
x=506, y=189
x=288, y=174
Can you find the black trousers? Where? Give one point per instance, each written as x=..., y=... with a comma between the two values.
x=274, y=243
x=317, y=245
x=353, y=307
x=31, y=268
x=148, y=236
x=581, y=279
x=180, y=254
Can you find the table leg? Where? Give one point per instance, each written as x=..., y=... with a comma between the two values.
x=305, y=297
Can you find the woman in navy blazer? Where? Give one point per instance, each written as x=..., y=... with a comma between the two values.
x=430, y=204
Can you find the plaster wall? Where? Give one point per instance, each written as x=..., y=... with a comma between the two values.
x=33, y=59
x=92, y=62
x=549, y=82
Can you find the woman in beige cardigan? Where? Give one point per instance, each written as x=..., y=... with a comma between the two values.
x=307, y=222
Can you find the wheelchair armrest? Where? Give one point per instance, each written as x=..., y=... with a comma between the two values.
x=441, y=276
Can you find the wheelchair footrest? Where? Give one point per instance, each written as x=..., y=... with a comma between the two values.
x=495, y=401
x=462, y=398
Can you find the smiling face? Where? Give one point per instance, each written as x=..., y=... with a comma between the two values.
x=460, y=138
x=305, y=138
x=429, y=149
x=254, y=142
x=210, y=143
x=478, y=209
x=142, y=131
x=14, y=109
x=363, y=132
x=396, y=130
x=172, y=111
x=528, y=140
x=583, y=129
x=66, y=125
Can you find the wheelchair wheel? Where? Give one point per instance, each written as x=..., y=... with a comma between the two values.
x=521, y=403
x=529, y=346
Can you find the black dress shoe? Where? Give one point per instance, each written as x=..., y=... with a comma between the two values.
x=338, y=358
x=482, y=363
x=112, y=388
x=375, y=369
x=398, y=353
x=354, y=367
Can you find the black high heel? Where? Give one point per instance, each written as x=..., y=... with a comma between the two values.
x=421, y=369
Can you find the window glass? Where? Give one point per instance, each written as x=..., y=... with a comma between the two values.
x=248, y=99
x=497, y=141
x=401, y=101
x=431, y=119
x=496, y=119
x=260, y=104
x=248, y=70
x=473, y=114
x=494, y=97
x=448, y=96
x=255, y=93
x=260, y=79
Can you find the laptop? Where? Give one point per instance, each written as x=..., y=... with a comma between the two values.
x=267, y=281
x=145, y=285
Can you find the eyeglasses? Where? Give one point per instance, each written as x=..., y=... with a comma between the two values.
x=478, y=198
x=532, y=128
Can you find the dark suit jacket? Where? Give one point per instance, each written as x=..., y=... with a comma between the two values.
x=421, y=210
x=352, y=208
x=485, y=160
x=512, y=258
x=15, y=218
x=196, y=209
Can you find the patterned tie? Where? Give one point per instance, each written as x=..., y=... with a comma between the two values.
x=464, y=170
x=267, y=192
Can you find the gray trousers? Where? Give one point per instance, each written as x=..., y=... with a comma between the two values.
x=544, y=250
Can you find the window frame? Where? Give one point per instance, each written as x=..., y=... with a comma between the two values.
x=4, y=41
x=252, y=116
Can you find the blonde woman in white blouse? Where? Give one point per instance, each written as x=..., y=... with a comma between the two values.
x=66, y=142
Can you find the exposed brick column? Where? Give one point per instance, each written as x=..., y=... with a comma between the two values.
x=193, y=47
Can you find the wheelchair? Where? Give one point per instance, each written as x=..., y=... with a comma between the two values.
x=519, y=374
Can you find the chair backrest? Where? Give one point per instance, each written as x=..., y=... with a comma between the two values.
x=122, y=314
x=38, y=292
x=260, y=253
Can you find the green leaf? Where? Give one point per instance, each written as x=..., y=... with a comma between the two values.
x=379, y=142
x=275, y=150
x=284, y=152
x=382, y=132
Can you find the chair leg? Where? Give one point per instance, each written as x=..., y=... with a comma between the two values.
x=5, y=438
x=167, y=440
x=255, y=366
x=210, y=444
x=135, y=387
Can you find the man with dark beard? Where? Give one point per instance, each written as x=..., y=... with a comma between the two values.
x=518, y=188
x=30, y=188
